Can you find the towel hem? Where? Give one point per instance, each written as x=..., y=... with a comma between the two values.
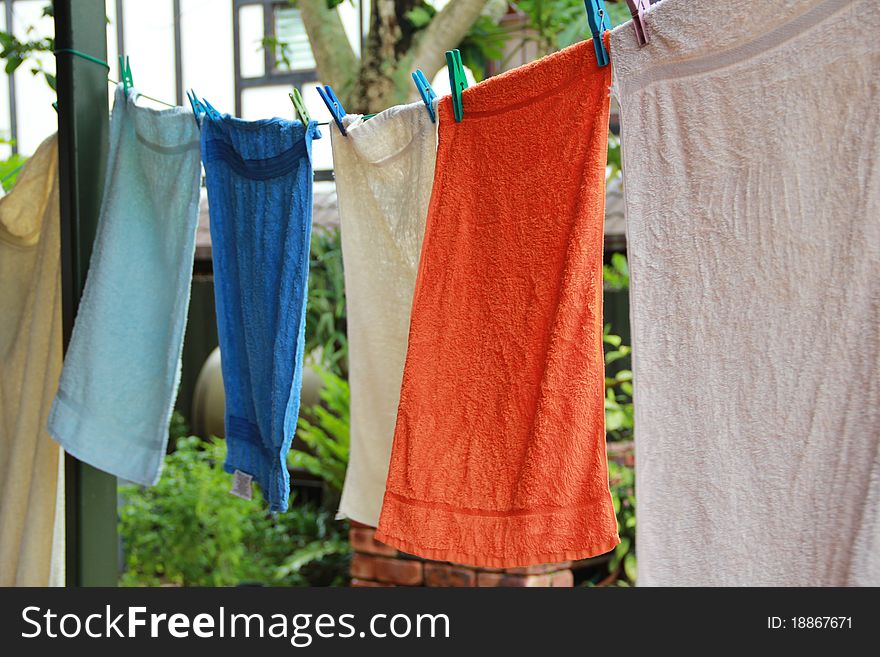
x=483, y=561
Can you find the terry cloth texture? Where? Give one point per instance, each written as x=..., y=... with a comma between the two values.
x=259, y=179
x=30, y=362
x=384, y=173
x=122, y=365
x=753, y=212
x=499, y=449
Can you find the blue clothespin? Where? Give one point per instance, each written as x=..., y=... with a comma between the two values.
x=598, y=19
x=426, y=92
x=457, y=82
x=197, y=107
x=125, y=73
x=333, y=104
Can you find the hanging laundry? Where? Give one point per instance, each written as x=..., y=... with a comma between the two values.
x=31, y=546
x=122, y=366
x=259, y=179
x=499, y=449
x=752, y=200
x=384, y=172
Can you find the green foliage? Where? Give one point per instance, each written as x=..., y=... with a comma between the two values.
x=623, y=560
x=325, y=431
x=326, y=339
x=618, y=389
x=9, y=169
x=189, y=531
x=616, y=274
x=420, y=15
x=16, y=52
x=560, y=23
x=483, y=43
x=280, y=48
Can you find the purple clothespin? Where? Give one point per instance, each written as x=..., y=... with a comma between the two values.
x=637, y=9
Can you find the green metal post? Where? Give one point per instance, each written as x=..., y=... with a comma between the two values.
x=82, y=140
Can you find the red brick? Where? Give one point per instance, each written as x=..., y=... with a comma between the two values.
x=510, y=580
x=562, y=578
x=365, y=583
x=398, y=571
x=447, y=574
x=363, y=540
x=363, y=567
x=539, y=569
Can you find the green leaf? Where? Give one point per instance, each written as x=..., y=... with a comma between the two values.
x=613, y=340
x=419, y=16
x=630, y=566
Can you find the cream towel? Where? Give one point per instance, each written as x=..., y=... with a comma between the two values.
x=752, y=183
x=384, y=172
x=30, y=362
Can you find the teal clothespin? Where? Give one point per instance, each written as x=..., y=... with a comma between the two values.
x=300, y=111
x=210, y=111
x=426, y=92
x=599, y=21
x=457, y=82
x=197, y=107
x=125, y=73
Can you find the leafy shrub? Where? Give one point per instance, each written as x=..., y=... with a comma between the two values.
x=618, y=390
x=623, y=559
x=189, y=531
x=616, y=274
x=326, y=326
x=324, y=428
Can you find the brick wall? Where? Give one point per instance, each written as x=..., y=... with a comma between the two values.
x=376, y=564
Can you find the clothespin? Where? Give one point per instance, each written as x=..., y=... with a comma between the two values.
x=197, y=107
x=300, y=111
x=457, y=81
x=210, y=111
x=637, y=9
x=125, y=73
x=426, y=92
x=333, y=104
x=598, y=19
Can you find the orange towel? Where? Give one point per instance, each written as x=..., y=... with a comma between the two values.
x=499, y=449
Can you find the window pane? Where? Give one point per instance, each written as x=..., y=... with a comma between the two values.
x=250, y=41
x=293, y=52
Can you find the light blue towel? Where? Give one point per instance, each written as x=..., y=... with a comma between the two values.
x=122, y=367
x=259, y=179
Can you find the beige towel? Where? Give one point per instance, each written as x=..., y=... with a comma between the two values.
x=31, y=549
x=384, y=172
x=751, y=138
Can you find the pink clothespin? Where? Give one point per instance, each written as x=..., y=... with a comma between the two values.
x=637, y=9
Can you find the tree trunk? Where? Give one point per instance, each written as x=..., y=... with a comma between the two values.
x=334, y=57
x=392, y=51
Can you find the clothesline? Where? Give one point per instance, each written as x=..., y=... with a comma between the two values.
x=101, y=62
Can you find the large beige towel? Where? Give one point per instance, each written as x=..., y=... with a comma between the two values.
x=752, y=183
x=31, y=552
x=384, y=172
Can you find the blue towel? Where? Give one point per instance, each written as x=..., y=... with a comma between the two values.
x=259, y=180
x=122, y=366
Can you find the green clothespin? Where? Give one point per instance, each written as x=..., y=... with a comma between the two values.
x=300, y=112
x=457, y=82
x=125, y=73
x=299, y=107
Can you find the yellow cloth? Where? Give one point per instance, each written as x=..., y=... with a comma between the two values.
x=31, y=532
